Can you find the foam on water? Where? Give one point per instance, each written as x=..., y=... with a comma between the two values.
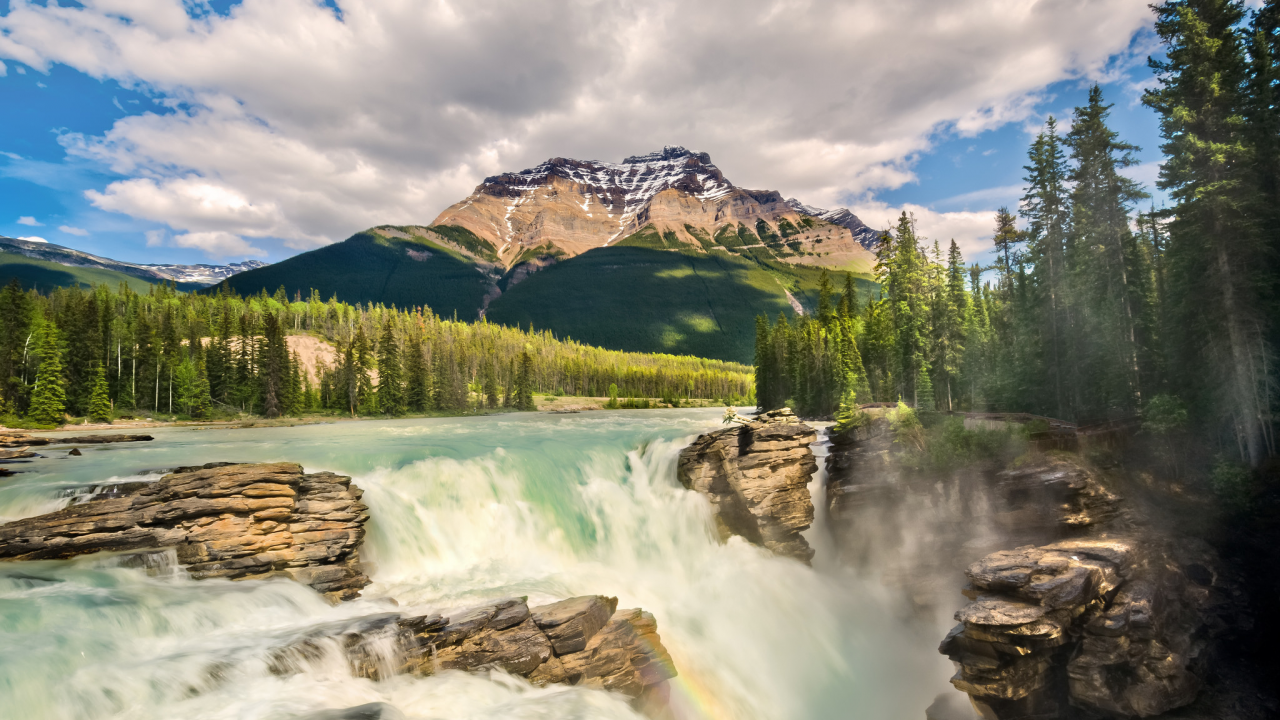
x=463, y=511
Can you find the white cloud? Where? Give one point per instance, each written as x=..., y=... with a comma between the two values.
x=33, y=238
x=217, y=245
x=972, y=231
x=79, y=232
x=285, y=120
x=28, y=220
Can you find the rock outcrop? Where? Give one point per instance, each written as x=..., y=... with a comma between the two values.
x=757, y=475
x=1055, y=491
x=583, y=641
x=231, y=521
x=1109, y=626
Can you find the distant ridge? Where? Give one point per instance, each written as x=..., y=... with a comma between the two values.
x=865, y=236
x=188, y=276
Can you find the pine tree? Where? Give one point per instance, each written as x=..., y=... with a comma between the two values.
x=418, y=379
x=1104, y=256
x=273, y=367
x=524, y=383
x=1006, y=242
x=1046, y=208
x=15, y=336
x=100, y=398
x=49, y=399
x=1219, y=266
x=365, y=399
x=391, y=392
x=924, y=391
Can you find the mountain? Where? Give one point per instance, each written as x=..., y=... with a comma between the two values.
x=865, y=236
x=396, y=266
x=187, y=277
x=570, y=206
x=658, y=253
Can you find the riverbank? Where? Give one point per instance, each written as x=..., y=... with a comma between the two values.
x=544, y=403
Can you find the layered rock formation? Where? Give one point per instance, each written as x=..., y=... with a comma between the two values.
x=224, y=520
x=865, y=236
x=583, y=641
x=1109, y=626
x=570, y=206
x=756, y=476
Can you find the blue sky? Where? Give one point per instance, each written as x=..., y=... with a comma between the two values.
x=173, y=134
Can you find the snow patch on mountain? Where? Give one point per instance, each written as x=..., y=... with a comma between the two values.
x=187, y=274
x=631, y=183
x=865, y=236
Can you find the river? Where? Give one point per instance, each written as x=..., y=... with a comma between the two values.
x=463, y=510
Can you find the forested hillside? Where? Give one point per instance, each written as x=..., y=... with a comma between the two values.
x=370, y=267
x=1099, y=308
x=648, y=300
x=101, y=353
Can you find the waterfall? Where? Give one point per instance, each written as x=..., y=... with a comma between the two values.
x=463, y=511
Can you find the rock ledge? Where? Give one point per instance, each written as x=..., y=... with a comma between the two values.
x=231, y=521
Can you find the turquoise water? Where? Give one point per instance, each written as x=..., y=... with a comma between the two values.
x=463, y=510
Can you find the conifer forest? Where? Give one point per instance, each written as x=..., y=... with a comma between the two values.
x=1100, y=305
x=87, y=352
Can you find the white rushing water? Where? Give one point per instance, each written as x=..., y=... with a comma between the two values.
x=463, y=510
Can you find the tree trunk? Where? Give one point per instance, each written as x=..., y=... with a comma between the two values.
x=1242, y=372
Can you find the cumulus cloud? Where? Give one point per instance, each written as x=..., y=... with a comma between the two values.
x=972, y=231
x=287, y=120
x=28, y=220
x=217, y=244
x=80, y=232
x=33, y=238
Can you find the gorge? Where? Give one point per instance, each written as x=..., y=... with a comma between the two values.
x=484, y=543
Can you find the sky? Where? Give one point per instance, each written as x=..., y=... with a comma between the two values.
x=192, y=131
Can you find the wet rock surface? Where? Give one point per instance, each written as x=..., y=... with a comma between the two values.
x=230, y=521
x=608, y=648
x=756, y=475
x=1110, y=626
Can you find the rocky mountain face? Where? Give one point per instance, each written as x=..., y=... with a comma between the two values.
x=566, y=207
x=865, y=236
x=191, y=275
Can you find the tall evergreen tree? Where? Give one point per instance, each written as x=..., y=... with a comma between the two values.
x=391, y=394
x=100, y=398
x=1105, y=256
x=1046, y=208
x=1220, y=268
x=49, y=398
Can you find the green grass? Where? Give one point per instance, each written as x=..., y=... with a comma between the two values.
x=648, y=300
x=370, y=268
x=43, y=275
x=463, y=237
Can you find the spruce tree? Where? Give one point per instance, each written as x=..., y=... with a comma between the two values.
x=524, y=383
x=391, y=393
x=1046, y=208
x=100, y=398
x=1103, y=256
x=364, y=365
x=1220, y=268
x=49, y=399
